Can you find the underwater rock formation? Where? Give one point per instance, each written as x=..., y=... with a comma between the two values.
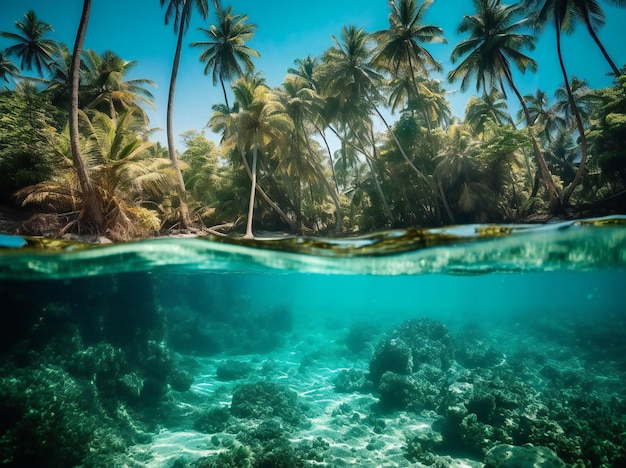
x=510, y=456
x=411, y=345
x=263, y=400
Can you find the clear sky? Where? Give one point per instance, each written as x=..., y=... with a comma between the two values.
x=288, y=30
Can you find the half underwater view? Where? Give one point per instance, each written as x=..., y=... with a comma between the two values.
x=286, y=234
x=463, y=347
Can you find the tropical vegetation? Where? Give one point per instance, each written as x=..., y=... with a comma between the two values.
x=306, y=156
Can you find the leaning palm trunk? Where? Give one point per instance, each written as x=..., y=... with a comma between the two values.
x=185, y=220
x=330, y=156
x=555, y=201
x=601, y=46
x=331, y=192
x=379, y=188
x=92, y=208
x=399, y=145
x=567, y=193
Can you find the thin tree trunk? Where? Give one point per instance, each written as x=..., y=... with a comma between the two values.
x=185, y=219
x=444, y=199
x=92, y=208
x=601, y=46
x=224, y=91
x=399, y=146
x=249, y=234
x=331, y=192
x=379, y=188
x=330, y=156
x=567, y=193
x=266, y=197
x=555, y=200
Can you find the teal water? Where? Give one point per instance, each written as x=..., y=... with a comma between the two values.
x=466, y=346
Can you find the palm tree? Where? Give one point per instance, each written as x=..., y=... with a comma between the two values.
x=399, y=49
x=305, y=68
x=491, y=107
x=92, y=210
x=105, y=84
x=226, y=54
x=300, y=102
x=495, y=41
x=7, y=68
x=456, y=172
x=180, y=12
x=125, y=175
x=31, y=47
x=546, y=119
x=562, y=13
x=256, y=123
x=591, y=13
x=346, y=75
x=563, y=105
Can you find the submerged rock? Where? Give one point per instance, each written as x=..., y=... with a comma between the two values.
x=511, y=456
x=263, y=400
x=411, y=345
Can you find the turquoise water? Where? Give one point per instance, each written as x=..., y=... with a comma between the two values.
x=451, y=347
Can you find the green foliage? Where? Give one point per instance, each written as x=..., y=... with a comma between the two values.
x=607, y=135
x=26, y=128
x=202, y=165
x=124, y=175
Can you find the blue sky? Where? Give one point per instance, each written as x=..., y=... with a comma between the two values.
x=288, y=30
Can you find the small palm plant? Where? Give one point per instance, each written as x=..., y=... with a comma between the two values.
x=127, y=181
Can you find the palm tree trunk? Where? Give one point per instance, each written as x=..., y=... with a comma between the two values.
x=555, y=201
x=92, y=208
x=379, y=188
x=331, y=192
x=185, y=220
x=330, y=156
x=265, y=196
x=249, y=234
x=601, y=46
x=567, y=193
x=224, y=91
x=399, y=145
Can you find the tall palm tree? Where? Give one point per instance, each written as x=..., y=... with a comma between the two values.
x=399, y=47
x=261, y=122
x=92, y=210
x=106, y=84
x=562, y=14
x=400, y=50
x=590, y=12
x=257, y=122
x=300, y=102
x=495, y=41
x=179, y=11
x=31, y=47
x=348, y=77
x=226, y=54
